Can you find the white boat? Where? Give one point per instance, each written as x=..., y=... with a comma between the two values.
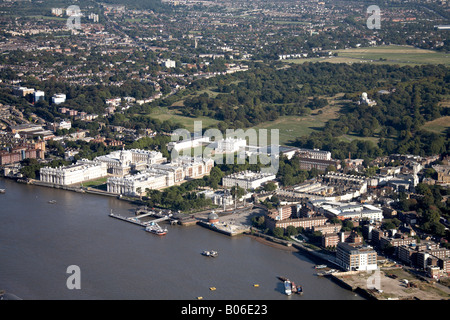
x=156, y=229
x=2, y=190
x=287, y=287
x=211, y=253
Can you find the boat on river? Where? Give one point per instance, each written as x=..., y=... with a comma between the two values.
x=210, y=253
x=282, y=278
x=156, y=229
x=288, y=287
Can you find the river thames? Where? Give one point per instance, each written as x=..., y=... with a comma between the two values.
x=120, y=261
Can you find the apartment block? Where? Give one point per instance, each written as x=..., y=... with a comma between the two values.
x=330, y=240
x=352, y=258
x=328, y=228
x=284, y=212
x=306, y=223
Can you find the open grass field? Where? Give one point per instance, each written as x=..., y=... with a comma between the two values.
x=291, y=127
x=350, y=137
x=392, y=54
x=48, y=18
x=438, y=125
x=99, y=183
x=164, y=113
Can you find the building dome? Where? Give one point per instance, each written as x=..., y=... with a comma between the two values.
x=213, y=217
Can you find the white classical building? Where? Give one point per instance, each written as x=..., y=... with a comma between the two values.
x=247, y=179
x=161, y=175
x=137, y=184
x=185, y=167
x=230, y=145
x=315, y=154
x=122, y=162
x=193, y=167
x=83, y=170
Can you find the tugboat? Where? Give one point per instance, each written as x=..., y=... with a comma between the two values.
x=299, y=290
x=290, y=287
x=293, y=287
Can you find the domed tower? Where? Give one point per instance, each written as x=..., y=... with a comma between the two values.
x=125, y=157
x=213, y=217
x=364, y=96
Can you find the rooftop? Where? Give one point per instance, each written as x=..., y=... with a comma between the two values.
x=249, y=175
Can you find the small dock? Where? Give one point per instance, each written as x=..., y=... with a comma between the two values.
x=133, y=220
x=159, y=220
x=144, y=215
x=136, y=220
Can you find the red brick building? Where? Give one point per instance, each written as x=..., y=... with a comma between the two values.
x=330, y=240
x=306, y=223
x=18, y=154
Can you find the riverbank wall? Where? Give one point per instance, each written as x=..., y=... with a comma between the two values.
x=221, y=229
x=73, y=188
x=339, y=279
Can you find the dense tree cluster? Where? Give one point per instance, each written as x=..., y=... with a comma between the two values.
x=268, y=92
x=90, y=98
x=396, y=120
x=183, y=197
x=265, y=92
x=430, y=207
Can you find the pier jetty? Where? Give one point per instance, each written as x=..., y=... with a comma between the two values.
x=136, y=220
